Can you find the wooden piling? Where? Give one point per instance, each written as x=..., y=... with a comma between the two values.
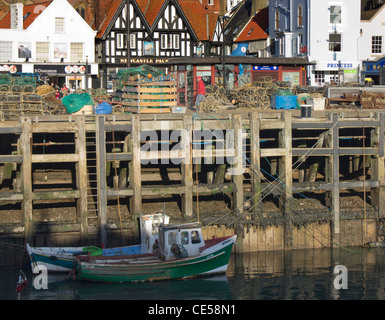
x=135, y=168
x=81, y=177
x=255, y=162
x=335, y=175
x=187, y=166
x=26, y=138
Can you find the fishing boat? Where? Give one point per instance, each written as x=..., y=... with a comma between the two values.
x=182, y=253
x=62, y=259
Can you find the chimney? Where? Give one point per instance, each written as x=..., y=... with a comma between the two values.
x=16, y=16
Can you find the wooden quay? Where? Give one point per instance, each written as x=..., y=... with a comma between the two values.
x=277, y=170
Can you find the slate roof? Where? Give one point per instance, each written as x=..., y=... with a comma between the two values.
x=256, y=28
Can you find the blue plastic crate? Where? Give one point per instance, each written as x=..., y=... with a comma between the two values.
x=284, y=102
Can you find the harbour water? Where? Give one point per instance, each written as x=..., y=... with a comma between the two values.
x=277, y=275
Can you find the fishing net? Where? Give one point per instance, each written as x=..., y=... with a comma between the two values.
x=5, y=79
x=74, y=101
x=143, y=70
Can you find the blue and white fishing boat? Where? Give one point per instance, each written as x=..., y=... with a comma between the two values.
x=63, y=259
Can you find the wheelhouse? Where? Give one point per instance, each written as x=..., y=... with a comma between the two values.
x=187, y=235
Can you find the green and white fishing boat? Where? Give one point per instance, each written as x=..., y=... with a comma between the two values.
x=182, y=253
x=62, y=259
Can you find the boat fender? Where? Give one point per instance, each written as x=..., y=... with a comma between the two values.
x=53, y=258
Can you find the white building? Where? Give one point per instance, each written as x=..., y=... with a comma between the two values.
x=51, y=39
x=371, y=43
x=334, y=40
x=326, y=31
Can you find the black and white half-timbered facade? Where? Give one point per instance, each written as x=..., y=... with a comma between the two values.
x=172, y=33
x=185, y=38
x=117, y=41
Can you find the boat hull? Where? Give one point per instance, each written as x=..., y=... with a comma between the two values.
x=56, y=259
x=211, y=262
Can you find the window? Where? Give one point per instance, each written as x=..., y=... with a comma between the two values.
x=5, y=50
x=59, y=25
x=335, y=14
x=335, y=42
x=133, y=40
x=195, y=238
x=120, y=41
x=165, y=41
x=76, y=51
x=300, y=43
x=184, y=237
x=81, y=11
x=42, y=51
x=300, y=16
x=276, y=19
x=176, y=41
x=319, y=77
x=251, y=30
x=334, y=78
x=376, y=44
x=169, y=41
x=210, y=2
x=171, y=238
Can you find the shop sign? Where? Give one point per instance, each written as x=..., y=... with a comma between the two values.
x=10, y=68
x=148, y=79
x=374, y=65
x=265, y=68
x=339, y=65
x=350, y=71
x=60, y=69
x=144, y=60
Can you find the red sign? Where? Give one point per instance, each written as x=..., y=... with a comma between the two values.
x=303, y=49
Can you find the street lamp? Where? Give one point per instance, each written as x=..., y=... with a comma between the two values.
x=86, y=72
x=128, y=34
x=223, y=19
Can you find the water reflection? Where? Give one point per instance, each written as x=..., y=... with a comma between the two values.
x=279, y=275
x=308, y=274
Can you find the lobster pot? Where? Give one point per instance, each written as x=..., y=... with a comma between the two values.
x=150, y=95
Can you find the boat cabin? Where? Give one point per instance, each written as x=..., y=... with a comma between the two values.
x=149, y=225
x=179, y=241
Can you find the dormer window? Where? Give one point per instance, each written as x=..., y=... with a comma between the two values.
x=26, y=15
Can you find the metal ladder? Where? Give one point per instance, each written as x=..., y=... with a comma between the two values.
x=92, y=175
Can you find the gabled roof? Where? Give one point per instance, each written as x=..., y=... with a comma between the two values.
x=256, y=27
x=152, y=9
x=113, y=10
x=30, y=13
x=201, y=20
x=238, y=19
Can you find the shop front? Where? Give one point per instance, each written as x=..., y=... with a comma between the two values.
x=372, y=70
x=235, y=71
x=74, y=76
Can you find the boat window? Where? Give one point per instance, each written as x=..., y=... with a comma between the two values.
x=195, y=237
x=184, y=237
x=171, y=238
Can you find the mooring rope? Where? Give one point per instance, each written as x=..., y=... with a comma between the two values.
x=307, y=154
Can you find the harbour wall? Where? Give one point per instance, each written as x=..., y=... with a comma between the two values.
x=276, y=179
